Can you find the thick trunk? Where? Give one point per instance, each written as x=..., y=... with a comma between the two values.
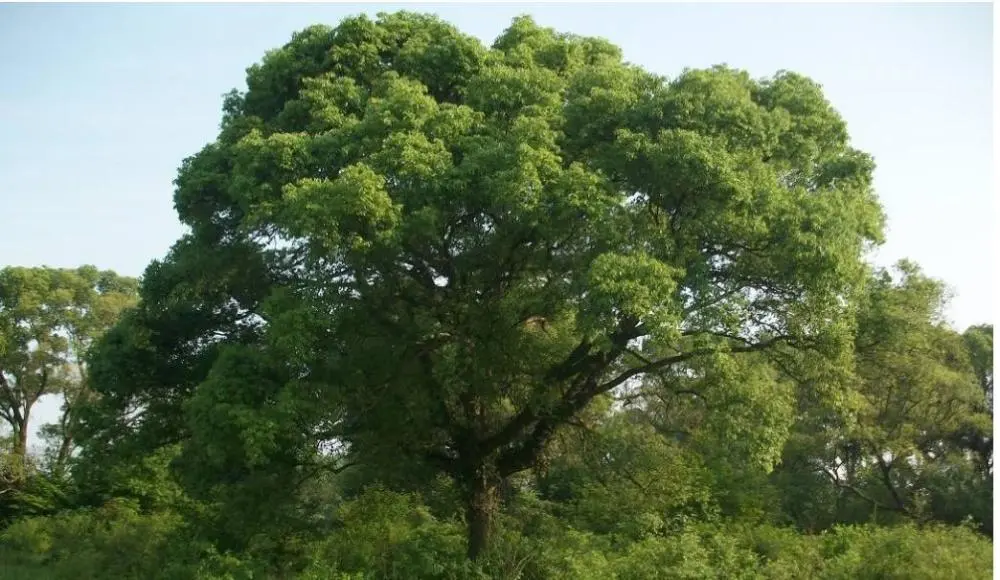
x=482, y=505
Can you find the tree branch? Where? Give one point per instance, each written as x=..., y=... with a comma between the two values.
x=843, y=485
x=885, y=468
x=577, y=397
x=672, y=360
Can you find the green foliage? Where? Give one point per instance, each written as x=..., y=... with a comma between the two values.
x=114, y=541
x=49, y=318
x=905, y=552
x=627, y=480
x=382, y=534
x=900, y=448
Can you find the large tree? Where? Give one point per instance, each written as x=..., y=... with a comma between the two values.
x=422, y=248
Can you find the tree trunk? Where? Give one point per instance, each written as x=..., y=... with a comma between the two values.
x=66, y=445
x=21, y=444
x=482, y=504
x=64, y=451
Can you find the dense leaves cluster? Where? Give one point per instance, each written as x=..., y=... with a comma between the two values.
x=522, y=311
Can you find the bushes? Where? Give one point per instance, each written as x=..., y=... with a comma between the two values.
x=114, y=541
x=929, y=553
x=784, y=553
x=873, y=553
x=735, y=552
x=384, y=535
x=690, y=555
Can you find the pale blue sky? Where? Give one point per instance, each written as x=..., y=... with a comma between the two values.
x=100, y=103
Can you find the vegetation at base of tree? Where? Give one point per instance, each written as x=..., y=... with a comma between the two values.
x=524, y=311
x=390, y=535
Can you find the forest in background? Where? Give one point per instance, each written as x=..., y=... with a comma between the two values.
x=521, y=311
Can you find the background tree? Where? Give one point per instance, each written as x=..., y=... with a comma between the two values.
x=897, y=446
x=457, y=248
x=49, y=318
x=34, y=352
x=979, y=343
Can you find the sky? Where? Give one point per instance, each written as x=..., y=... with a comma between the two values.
x=99, y=104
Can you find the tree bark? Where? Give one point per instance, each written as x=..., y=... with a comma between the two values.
x=887, y=480
x=64, y=451
x=66, y=443
x=482, y=505
x=21, y=444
